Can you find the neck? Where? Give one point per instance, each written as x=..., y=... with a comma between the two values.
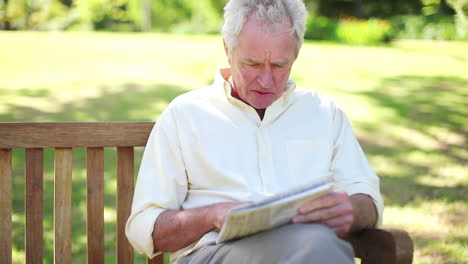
x=260, y=112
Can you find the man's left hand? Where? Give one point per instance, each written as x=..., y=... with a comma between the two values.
x=334, y=210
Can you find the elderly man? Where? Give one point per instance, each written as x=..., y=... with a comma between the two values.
x=250, y=135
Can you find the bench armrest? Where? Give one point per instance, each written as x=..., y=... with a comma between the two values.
x=382, y=246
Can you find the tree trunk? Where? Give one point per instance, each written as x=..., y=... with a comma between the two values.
x=3, y=17
x=5, y=25
x=444, y=8
x=147, y=12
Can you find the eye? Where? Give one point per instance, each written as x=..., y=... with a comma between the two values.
x=279, y=66
x=251, y=64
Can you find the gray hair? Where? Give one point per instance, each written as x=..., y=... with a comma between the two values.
x=272, y=12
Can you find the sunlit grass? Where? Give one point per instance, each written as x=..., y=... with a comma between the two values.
x=438, y=228
x=406, y=101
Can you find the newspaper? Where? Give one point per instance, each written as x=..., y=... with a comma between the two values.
x=268, y=213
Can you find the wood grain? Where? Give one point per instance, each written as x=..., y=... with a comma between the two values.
x=5, y=206
x=34, y=205
x=74, y=134
x=125, y=166
x=95, y=205
x=383, y=246
x=62, y=205
x=156, y=260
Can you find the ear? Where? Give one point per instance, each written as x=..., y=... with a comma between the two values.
x=226, y=51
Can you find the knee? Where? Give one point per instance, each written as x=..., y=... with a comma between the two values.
x=315, y=235
x=316, y=241
x=292, y=244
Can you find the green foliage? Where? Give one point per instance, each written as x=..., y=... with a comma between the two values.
x=349, y=30
x=365, y=8
x=461, y=16
x=104, y=14
x=375, y=31
x=167, y=13
x=321, y=28
x=424, y=27
x=201, y=17
x=205, y=16
x=31, y=14
x=363, y=32
x=430, y=7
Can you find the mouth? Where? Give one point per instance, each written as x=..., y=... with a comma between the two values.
x=261, y=93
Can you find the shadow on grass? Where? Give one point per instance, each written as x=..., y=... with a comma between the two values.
x=130, y=102
x=442, y=250
x=422, y=141
x=429, y=107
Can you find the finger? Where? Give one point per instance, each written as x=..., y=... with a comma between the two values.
x=342, y=221
x=328, y=200
x=322, y=215
x=321, y=202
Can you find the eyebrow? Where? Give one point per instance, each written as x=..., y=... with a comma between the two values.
x=252, y=61
x=281, y=62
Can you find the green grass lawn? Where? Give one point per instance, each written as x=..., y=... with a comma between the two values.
x=407, y=103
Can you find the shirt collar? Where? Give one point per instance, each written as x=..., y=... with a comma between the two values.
x=224, y=78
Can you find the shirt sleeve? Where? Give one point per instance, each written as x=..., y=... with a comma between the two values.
x=161, y=184
x=350, y=169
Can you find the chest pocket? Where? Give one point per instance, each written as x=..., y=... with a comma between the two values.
x=308, y=160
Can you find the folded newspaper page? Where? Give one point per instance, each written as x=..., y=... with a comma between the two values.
x=270, y=212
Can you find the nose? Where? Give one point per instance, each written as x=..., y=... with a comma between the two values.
x=265, y=78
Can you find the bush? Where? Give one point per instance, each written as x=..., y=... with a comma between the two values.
x=321, y=28
x=349, y=30
x=363, y=32
x=424, y=27
x=376, y=31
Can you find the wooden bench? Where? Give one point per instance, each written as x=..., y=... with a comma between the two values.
x=373, y=246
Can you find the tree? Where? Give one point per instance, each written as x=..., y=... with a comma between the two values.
x=146, y=21
x=461, y=21
x=4, y=23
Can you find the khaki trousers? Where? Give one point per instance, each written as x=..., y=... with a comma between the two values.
x=289, y=244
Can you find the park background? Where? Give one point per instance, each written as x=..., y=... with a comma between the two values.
x=398, y=68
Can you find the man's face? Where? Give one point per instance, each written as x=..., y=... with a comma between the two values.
x=261, y=63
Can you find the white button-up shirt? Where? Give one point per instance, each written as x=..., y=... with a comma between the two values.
x=209, y=147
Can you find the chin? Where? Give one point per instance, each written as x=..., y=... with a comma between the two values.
x=261, y=105
x=261, y=102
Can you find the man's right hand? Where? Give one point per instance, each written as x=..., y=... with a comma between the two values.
x=220, y=211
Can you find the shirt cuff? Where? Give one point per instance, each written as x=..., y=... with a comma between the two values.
x=139, y=230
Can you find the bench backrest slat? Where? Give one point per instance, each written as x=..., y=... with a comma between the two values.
x=62, y=205
x=74, y=134
x=95, y=202
x=125, y=186
x=5, y=206
x=34, y=206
